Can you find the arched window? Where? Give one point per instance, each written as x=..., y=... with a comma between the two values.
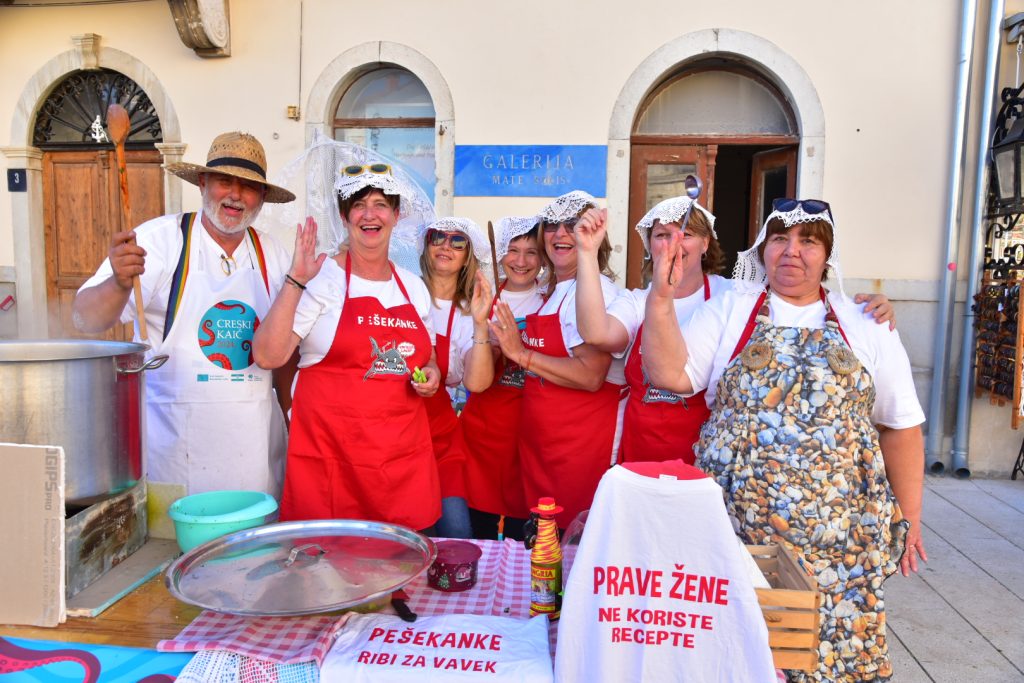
x=389, y=110
x=75, y=113
x=716, y=102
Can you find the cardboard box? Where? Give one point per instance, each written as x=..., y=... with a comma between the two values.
x=46, y=557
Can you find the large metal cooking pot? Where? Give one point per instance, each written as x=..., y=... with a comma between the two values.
x=83, y=395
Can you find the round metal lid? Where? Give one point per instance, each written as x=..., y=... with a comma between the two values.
x=296, y=568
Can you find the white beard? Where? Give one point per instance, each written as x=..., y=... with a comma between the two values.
x=247, y=218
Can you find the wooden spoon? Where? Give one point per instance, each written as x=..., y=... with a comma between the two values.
x=118, y=124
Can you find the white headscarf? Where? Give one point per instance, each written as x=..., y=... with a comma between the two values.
x=670, y=211
x=508, y=229
x=481, y=245
x=316, y=179
x=749, y=273
x=566, y=207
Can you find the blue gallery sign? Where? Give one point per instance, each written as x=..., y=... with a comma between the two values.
x=529, y=170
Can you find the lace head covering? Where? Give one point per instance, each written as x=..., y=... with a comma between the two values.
x=508, y=229
x=567, y=207
x=481, y=245
x=670, y=211
x=314, y=177
x=749, y=273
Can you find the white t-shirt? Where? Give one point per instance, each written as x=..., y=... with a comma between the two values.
x=631, y=609
x=161, y=238
x=565, y=294
x=319, y=309
x=525, y=302
x=460, y=341
x=629, y=306
x=713, y=331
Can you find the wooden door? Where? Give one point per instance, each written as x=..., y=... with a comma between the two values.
x=773, y=175
x=657, y=173
x=82, y=210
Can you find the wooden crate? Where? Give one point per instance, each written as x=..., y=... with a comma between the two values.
x=790, y=608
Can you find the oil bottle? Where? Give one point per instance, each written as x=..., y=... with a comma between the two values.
x=546, y=562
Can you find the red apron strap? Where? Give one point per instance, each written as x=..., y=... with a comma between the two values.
x=442, y=359
x=707, y=288
x=831, y=315
x=565, y=296
x=348, y=275
x=749, y=329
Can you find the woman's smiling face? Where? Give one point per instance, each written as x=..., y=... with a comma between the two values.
x=522, y=263
x=370, y=221
x=560, y=246
x=445, y=259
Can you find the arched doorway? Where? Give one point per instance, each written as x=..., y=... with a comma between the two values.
x=390, y=111
x=732, y=127
x=81, y=197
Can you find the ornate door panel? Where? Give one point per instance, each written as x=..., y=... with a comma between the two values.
x=773, y=176
x=657, y=173
x=81, y=212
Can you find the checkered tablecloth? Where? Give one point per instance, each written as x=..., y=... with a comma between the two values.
x=284, y=640
x=502, y=587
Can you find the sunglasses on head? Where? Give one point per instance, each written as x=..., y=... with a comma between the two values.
x=456, y=240
x=811, y=207
x=368, y=168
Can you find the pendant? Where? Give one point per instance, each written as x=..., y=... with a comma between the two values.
x=757, y=355
x=842, y=360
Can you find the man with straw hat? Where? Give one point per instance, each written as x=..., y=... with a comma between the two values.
x=207, y=279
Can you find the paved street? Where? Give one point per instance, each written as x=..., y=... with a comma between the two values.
x=962, y=618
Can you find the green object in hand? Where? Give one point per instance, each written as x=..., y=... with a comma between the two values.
x=418, y=376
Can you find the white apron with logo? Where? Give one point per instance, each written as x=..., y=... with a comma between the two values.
x=213, y=422
x=659, y=590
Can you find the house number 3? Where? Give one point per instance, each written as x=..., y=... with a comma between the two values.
x=16, y=180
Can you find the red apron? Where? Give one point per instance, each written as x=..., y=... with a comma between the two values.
x=490, y=425
x=659, y=425
x=449, y=447
x=566, y=443
x=360, y=442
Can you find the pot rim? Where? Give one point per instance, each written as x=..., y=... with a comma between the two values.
x=36, y=350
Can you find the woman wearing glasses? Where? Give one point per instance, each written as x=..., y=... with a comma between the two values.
x=491, y=418
x=360, y=443
x=452, y=250
x=570, y=402
x=815, y=426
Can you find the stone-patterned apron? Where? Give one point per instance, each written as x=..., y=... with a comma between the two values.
x=791, y=442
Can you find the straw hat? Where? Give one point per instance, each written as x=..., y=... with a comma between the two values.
x=235, y=154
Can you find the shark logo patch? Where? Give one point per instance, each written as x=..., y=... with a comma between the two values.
x=386, y=361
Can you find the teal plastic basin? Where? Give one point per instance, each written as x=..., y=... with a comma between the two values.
x=203, y=517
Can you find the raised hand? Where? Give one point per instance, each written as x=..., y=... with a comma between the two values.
x=480, y=305
x=590, y=230
x=127, y=259
x=305, y=261
x=505, y=329
x=668, y=267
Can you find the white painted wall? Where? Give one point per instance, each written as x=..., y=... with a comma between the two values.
x=535, y=72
